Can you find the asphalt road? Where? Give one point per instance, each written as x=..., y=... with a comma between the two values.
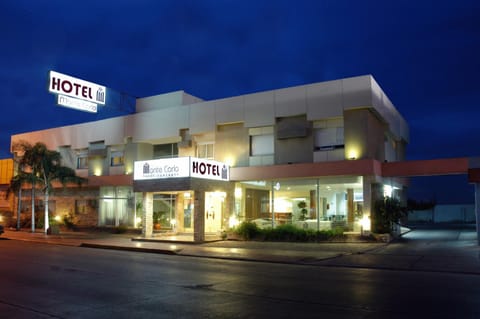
x=49, y=281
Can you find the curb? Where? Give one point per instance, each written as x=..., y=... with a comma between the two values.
x=137, y=249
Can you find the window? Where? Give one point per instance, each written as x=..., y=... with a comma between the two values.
x=165, y=150
x=329, y=138
x=82, y=162
x=205, y=150
x=261, y=141
x=117, y=158
x=261, y=145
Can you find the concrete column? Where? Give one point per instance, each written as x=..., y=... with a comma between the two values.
x=350, y=207
x=147, y=224
x=367, y=196
x=199, y=217
x=477, y=209
x=179, y=213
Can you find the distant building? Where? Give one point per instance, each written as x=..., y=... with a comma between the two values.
x=308, y=155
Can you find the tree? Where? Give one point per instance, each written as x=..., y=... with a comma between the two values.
x=45, y=169
x=387, y=211
x=16, y=184
x=27, y=171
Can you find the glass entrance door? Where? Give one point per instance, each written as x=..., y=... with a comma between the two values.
x=164, y=211
x=214, y=208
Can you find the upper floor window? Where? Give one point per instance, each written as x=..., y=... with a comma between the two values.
x=165, y=150
x=328, y=138
x=261, y=145
x=82, y=162
x=261, y=141
x=205, y=150
x=81, y=158
x=117, y=158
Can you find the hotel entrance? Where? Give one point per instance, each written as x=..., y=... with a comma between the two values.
x=214, y=211
x=173, y=212
x=184, y=196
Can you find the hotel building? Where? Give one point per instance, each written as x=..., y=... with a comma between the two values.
x=308, y=155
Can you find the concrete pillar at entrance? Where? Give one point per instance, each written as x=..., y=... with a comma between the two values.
x=199, y=217
x=179, y=213
x=147, y=222
x=477, y=209
x=350, y=207
x=367, y=197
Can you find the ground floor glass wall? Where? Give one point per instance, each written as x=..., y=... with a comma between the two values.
x=317, y=204
x=117, y=206
x=173, y=212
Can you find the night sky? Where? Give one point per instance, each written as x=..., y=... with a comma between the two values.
x=424, y=54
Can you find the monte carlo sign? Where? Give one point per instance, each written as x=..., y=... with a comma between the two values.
x=75, y=93
x=181, y=167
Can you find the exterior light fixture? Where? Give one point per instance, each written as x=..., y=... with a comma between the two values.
x=365, y=224
x=233, y=221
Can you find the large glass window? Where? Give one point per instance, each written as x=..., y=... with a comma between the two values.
x=163, y=210
x=318, y=204
x=116, y=206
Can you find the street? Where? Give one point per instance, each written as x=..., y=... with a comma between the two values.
x=54, y=281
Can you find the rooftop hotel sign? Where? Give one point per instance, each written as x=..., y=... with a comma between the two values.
x=181, y=167
x=75, y=93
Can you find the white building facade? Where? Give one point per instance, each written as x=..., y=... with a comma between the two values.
x=308, y=155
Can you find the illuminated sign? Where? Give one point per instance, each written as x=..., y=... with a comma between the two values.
x=77, y=104
x=75, y=93
x=181, y=167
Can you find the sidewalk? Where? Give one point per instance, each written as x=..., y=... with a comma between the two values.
x=460, y=258
x=297, y=253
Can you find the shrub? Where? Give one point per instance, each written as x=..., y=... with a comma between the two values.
x=286, y=232
x=247, y=230
x=387, y=211
x=68, y=222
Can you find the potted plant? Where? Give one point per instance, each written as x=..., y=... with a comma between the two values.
x=156, y=220
x=303, y=210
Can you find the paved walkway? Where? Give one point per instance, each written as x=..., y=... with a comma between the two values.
x=455, y=251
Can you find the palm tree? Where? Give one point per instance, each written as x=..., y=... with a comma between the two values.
x=46, y=169
x=16, y=184
x=27, y=172
x=50, y=170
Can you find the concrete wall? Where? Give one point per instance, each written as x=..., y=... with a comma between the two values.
x=445, y=214
x=364, y=135
x=232, y=144
x=293, y=140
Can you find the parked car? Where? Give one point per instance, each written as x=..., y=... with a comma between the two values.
x=1, y=229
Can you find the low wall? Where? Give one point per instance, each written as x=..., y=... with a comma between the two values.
x=444, y=214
